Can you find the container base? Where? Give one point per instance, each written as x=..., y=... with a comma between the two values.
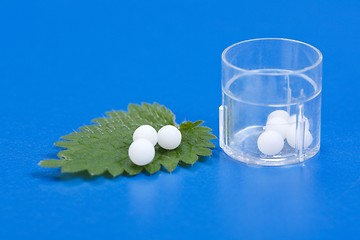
x=246, y=139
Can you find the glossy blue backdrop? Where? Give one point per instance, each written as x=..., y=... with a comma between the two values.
x=63, y=63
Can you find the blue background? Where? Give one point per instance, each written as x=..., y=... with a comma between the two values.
x=63, y=63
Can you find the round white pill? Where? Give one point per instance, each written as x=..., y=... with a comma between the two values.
x=294, y=136
x=279, y=113
x=270, y=142
x=169, y=137
x=292, y=120
x=279, y=125
x=146, y=132
x=141, y=152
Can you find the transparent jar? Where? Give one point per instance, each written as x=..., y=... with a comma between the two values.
x=259, y=77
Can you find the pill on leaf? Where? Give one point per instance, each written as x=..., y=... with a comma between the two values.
x=169, y=137
x=146, y=132
x=141, y=152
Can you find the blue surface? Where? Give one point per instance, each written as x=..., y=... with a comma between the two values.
x=63, y=63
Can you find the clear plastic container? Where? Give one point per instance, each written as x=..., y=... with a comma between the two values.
x=261, y=76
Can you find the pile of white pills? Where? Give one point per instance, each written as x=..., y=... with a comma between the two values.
x=145, y=137
x=280, y=126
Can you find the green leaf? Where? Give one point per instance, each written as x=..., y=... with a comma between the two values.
x=51, y=163
x=103, y=146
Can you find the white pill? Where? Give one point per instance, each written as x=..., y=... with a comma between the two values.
x=169, y=137
x=141, y=152
x=279, y=125
x=293, y=137
x=292, y=120
x=270, y=142
x=279, y=113
x=146, y=132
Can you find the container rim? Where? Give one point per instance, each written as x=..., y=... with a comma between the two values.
x=257, y=72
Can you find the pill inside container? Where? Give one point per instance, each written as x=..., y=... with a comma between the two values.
x=271, y=84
